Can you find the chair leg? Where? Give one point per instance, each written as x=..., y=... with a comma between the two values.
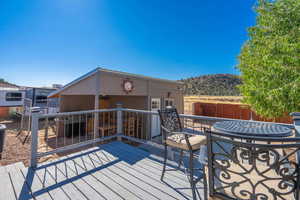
x=165, y=163
x=180, y=159
x=192, y=182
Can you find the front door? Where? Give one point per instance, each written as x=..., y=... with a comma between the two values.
x=155, y=121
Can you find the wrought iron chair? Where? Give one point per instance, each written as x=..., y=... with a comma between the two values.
x=174, y=136
x=265, y=168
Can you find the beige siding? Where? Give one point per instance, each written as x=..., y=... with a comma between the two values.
x=70, y=103
x=136, y=102
x=111, y=84
x=159, y=89
x=84, y=87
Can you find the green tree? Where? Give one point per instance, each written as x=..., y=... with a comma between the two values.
x=270, y=60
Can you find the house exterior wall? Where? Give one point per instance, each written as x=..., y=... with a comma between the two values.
x=84, y=87
x=165, y=90
x=110, y=84
x=133, y=102
x=69, y=103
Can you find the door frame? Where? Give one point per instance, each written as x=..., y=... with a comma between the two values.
x=160, y=106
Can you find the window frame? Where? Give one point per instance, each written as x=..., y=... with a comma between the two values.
x=41, y=100
x=10, y=97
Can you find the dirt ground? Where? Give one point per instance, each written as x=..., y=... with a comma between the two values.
x=14, y=150
x=17, y=145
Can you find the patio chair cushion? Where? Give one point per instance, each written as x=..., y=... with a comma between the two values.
x=178, y=141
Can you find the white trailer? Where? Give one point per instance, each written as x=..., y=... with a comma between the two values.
x=11, y=97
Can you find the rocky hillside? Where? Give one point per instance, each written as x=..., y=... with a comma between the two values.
x=2, y=80
x=215, y=84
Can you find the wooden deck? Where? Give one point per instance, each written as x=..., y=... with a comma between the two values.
x=110, y=171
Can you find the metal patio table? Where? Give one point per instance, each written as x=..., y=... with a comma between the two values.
x=252, y=128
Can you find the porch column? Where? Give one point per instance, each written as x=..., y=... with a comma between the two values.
x=96, y=117
x=119, y=121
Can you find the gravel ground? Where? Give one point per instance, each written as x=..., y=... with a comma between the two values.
x=16, y=150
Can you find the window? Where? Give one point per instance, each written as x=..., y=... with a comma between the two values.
x=13, y=96
x=41, y=99
x=155, y=104
x=169, y=102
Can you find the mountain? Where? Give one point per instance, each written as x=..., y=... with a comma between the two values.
x=5, y=84
x=214, y=85
x=2, y=80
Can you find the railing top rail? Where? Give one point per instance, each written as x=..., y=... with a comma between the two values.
x=75, y=113
x=150, y=112
x=139, y=111
x=202, y=117
x=229, y=119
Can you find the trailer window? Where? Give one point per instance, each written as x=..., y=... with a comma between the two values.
x=41, y=99
x=13, y=96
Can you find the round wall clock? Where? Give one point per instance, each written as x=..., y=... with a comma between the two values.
x=127, y=86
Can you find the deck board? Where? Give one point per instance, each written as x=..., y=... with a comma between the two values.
x=7, y=191
x=82, y=181
x=152, y=165
x=21, y=190
x=141, y=182
x=110, y=171
x=57, y=171
x=148, y=178
x=88, y=164
x=127, y=182
x=130, y=171
x=149, y=169
x=48, y=183
x=34, y=184
x=98, y=186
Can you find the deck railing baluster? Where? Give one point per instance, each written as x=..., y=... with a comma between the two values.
x=79, y=127
x=72, y=129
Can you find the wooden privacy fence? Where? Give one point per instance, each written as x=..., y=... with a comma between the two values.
x=234, y=111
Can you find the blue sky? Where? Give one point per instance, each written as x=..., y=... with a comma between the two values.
x=55, y=41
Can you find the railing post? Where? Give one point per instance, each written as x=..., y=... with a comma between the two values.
x=119, y=121
x=96, y=118
x=34, y=139
x=296, y=118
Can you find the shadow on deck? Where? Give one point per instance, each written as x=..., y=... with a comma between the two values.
x=111, y=171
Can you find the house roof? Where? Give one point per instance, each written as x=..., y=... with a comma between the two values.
x=99, y=69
